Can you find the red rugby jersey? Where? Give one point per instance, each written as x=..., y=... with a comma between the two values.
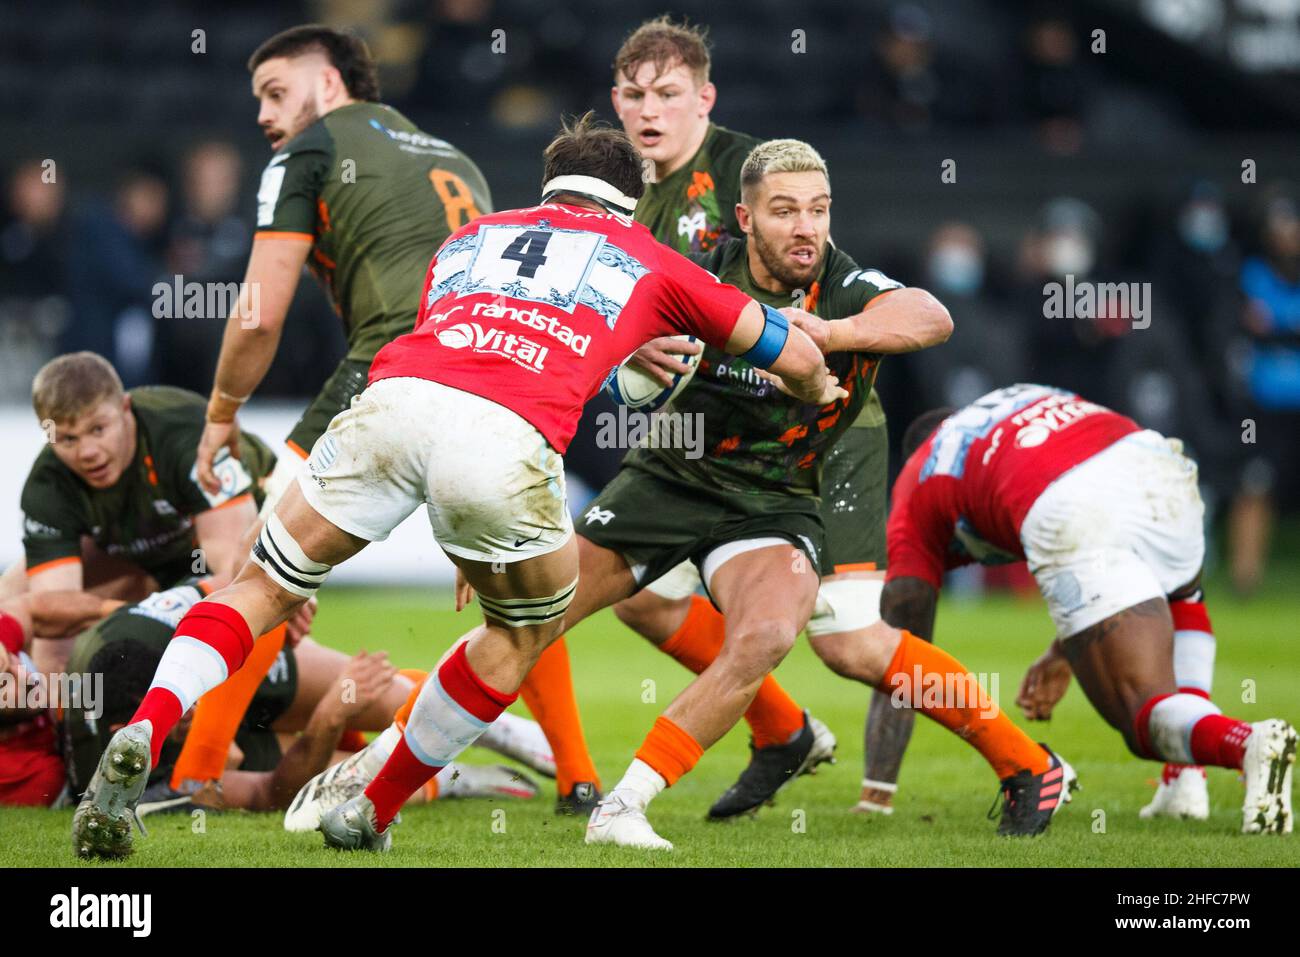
x=530, y=308
x=962, y=496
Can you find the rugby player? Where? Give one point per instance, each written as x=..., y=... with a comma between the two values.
x=364, y=198
x=31, y=768
x=1109, y=518
x=663, y=97
x=116, y=496
x=749, y=517
x=523, y=315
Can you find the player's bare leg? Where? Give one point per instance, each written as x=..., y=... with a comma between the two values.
x=292, y=559
x=785, y=741
x=1125, y=667
x=767, y=595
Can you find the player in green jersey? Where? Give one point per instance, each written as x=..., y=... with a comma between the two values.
x=663, y=97
x=364, y=198
x=114, y=498
x=356, y=192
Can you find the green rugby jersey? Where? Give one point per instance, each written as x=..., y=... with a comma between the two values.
x=147, y=517
x=755, y=437
x=693, y=210
x=151, y=624
x=377, y=197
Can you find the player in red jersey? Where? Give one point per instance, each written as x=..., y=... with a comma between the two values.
x=1109, y=518
x=522, y=317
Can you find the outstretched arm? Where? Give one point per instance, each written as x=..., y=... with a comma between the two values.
x=57, y=614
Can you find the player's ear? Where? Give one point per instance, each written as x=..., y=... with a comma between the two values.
x=743, y=218
x=613, y=97
x=708, y=96
x=126, y=402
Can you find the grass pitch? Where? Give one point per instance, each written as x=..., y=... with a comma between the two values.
x=945, y=789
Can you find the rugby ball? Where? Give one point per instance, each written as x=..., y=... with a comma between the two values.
x=627, y=385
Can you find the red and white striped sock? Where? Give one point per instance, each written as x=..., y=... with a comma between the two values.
x=453, y=709
x=1187, y=729
x=210, y=644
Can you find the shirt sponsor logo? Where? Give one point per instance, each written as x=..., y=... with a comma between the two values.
x=518, y=349
x=35, y=529
x=1040, y=421
x=534, y=319
x=414, y=138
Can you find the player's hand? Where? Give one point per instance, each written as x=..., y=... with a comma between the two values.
x=363, y=681
x=819, y=330
x=830, y=390
x=464, y=590
x=1044, y=684
x=655, y=358
x=298, y=626
x=216, y=436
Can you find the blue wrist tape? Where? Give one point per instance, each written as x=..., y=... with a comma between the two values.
x=776, y=329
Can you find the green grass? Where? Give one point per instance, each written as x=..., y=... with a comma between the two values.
x=945, y=789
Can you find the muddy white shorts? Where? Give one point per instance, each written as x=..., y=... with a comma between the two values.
x=1120, y=528
x=492, y=485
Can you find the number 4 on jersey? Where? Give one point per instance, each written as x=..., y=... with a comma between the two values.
x=529, y=250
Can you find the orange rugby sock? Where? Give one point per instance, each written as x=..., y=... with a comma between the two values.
x=418, y=678
x=669, y=750
x=773, y=717
x=218, y=713
x=931, y=681
x=548, y=693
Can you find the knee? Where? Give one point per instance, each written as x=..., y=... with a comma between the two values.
x=650, y=616
x=835, y=653
x=759, y=646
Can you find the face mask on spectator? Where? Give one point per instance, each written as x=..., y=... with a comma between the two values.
x=956, y=268
x=1203, y=227
x=1068, y=254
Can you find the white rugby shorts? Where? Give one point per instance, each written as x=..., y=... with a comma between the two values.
x=491, y=484
x=1120, y=528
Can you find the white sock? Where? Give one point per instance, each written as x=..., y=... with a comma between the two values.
x=1169, y=726
x=1194, y=659
x=380, y=750
x=640, y=784
x=189, y=669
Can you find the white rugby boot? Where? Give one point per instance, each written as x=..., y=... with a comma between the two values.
x=1185, y=796
x=1269, y=760
x=520, y=740
x=458, y=780
x=616, y=822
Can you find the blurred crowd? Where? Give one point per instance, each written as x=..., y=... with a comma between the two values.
x=1218, y=364
x=81, y=274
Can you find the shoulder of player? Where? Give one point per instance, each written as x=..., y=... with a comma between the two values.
x=722, y=258
x=728, y=151
x=316, y=138
x=47, y=474
x=169, y=419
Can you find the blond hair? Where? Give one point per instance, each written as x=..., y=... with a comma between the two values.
x=779, y=156
x=71, y=385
